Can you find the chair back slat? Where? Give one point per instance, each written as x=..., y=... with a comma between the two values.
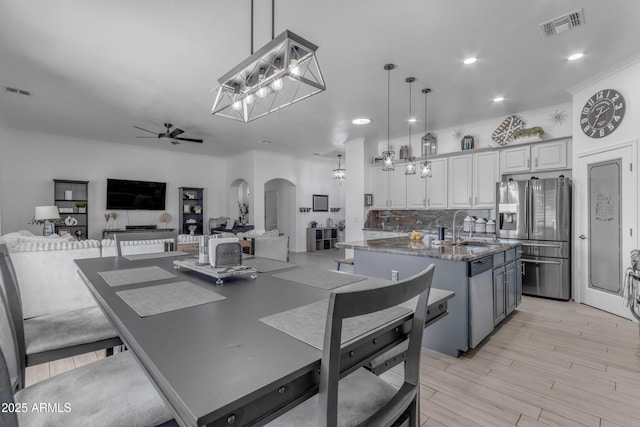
x=7, y=418
x=154, y=235
x=8, y=339
x=345, y=303
x=13, y=327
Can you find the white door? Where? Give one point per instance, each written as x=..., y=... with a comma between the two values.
x=606, y=211
x=271, y=210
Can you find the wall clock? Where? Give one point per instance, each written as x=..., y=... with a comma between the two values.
x=603, y=113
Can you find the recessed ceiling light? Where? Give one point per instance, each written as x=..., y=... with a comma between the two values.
x=575, y=56
x=470, y=60
x=361, y=121
x=498, y=99
x=265, y=141
x=316, y=154
x=413, y=120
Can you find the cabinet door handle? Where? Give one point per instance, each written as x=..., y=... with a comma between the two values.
x=476, y=200
x=536, y=162
x=528, y=163
x=428, y=202
x=469, y=201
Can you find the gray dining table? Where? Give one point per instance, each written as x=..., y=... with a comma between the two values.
x=216, y=362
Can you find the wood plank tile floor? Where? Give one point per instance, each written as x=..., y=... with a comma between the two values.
x=551, y=363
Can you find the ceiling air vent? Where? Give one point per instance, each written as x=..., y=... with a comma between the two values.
x=17, y=91
x=562, y=23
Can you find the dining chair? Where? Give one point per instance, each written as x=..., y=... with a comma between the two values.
x=110, y=392
x=362, y=398
x=58, y=335
x=171, y=236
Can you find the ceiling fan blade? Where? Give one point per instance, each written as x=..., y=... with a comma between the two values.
x=146, y=130
x=154, y=137
x=175, y=132
x=190, y=140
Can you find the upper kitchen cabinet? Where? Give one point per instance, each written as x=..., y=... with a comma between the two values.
x=389, y=188
x=437, y=194
x=536, y=157
x=416, y=192
x=472, y=180
x=486, y=173
x=460, y=181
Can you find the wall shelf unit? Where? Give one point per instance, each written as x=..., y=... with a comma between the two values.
x=67, y=194
x=321, y=238
x=191, y=219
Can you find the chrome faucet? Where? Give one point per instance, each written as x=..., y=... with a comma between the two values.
x=453, y=226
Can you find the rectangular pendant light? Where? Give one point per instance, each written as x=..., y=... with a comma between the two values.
x=281, y=73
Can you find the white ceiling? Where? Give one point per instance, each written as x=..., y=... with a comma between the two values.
x=96, y=68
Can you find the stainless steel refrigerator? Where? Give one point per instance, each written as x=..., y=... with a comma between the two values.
x=538, y=213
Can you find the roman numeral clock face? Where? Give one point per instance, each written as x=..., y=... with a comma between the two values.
x=602, y=114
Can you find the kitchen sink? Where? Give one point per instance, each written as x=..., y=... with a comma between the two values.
x=483, y=243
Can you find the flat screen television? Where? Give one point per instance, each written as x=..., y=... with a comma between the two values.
x=136, y=195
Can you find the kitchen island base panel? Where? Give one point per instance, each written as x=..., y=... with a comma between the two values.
x=450, y=334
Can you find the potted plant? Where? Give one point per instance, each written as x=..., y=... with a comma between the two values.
x=313, y=224
x=243, y=209
x=529, y=134
x=82, y=207
x=197, y=209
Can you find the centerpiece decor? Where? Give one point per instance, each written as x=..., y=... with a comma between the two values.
x=244, y=212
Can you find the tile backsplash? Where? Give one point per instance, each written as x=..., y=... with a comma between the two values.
x=422, y=219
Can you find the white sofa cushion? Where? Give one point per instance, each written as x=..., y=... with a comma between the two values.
x=48, y=276
x=132, y=247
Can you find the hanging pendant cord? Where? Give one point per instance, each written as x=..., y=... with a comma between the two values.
x=251, y=27
x=273, y=18
x=410, y=119
x=388, y=108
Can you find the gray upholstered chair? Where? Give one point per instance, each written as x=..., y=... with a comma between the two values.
x=110, y=392
x=169, y=236
x=54, y=336
x=361, y=397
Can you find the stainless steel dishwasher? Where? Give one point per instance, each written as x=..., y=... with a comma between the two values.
x=480, y=299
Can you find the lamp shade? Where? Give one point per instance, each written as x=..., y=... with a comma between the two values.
x=47, y=213
x=282, y=72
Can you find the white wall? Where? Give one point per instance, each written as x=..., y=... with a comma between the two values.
x=482, y=131
x=624, y=79
x=30, y=162
x=309, y=176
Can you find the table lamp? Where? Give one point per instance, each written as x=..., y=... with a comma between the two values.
x=48, y=215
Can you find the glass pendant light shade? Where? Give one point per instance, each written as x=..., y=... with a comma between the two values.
x=410, y=168
x=263, y=74
x=387, y=156
x=428, y=142
x=425, y=172
x=339, y=174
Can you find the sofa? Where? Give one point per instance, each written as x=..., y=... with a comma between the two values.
x=47, y=273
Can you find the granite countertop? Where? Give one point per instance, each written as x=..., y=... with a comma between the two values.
x=404, y=246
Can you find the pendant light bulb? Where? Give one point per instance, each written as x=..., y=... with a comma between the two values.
x=425, y=172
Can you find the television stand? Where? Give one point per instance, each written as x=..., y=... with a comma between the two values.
x=142, y=227
x=108, y=233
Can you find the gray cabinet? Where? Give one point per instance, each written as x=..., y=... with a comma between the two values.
x=321, y=238
x=499, y=306
x=507, y=284
x=71, y=198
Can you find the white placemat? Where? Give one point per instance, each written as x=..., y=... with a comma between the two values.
x=168, y=297
x=130, y=276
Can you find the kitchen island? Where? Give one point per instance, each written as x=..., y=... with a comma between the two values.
x=483, y=274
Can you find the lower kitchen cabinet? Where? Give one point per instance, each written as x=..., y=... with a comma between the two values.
x=499, y=298
x=507, y=284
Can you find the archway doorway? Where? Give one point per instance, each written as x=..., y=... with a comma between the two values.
x=239, y=193
x=279, y=206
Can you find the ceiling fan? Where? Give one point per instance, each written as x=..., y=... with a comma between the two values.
x=171, y=134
